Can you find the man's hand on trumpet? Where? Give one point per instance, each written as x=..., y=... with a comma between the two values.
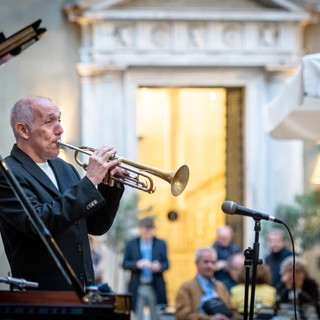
x=101, y=168
x=117, y=172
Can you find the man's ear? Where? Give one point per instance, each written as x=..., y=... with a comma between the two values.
x=23, y=130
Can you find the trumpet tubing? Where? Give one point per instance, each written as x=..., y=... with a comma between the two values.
x=178, y=179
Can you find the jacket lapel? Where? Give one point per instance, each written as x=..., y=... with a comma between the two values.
x=139, y=248
x=29, y=165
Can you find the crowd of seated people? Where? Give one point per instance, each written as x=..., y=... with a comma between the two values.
x=273, y=286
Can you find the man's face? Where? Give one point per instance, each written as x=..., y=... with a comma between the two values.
x=225, y=239
x=276, y=242
x=287, y=277
x=206, y=264
x=146, y=233
x=237, y=266
x=45, y=132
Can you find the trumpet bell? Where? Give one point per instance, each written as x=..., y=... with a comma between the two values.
x=180, y=180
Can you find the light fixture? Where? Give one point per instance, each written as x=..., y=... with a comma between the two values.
x=315, y=178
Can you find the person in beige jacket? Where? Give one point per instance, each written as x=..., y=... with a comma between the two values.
x=193, y=294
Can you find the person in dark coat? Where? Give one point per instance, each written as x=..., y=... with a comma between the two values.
x=307, y=291
x=225, y=247
x=69, y=206
x=146, y=258
x=235, y=267
x=278, y=252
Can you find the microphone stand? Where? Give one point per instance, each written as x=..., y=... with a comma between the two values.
x=251, y=262
x=43, y=232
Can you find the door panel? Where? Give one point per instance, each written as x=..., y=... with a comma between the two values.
x=177, y=126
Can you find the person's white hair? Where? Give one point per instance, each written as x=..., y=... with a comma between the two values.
x=201, y=250
x=277, y=232
x=22, y=112
x=287, y=264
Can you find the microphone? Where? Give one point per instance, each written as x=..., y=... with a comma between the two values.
x=231, y=207
x=19, y=282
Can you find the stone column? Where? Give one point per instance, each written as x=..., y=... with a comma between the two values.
x=102, y=109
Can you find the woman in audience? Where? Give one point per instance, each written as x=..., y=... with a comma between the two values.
x=307, y=293
x=265, y=294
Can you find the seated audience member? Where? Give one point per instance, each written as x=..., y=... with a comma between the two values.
x=278, y=252
x=235, y=267
x=225, y=247
x=203, y=297
x=307, y=292
x=265, y=294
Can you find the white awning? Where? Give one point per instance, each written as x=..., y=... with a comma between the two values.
x=295, y=112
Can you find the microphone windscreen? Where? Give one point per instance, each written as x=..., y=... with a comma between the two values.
x=229, y=207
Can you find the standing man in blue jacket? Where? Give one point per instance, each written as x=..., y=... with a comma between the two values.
x=146, y=258
x=70, y=207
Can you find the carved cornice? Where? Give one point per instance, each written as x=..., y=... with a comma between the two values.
x=193, y=43
x=122, y=37
x=192, y=15
x=97, y=69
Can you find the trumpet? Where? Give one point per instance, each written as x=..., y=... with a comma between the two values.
x=178, y=179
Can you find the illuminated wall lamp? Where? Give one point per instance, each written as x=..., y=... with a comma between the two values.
x=315, y=178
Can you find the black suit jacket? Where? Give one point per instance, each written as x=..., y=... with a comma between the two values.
x=70, y=213
x=131, y=256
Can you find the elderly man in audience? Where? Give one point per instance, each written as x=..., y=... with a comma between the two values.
x=203, y=297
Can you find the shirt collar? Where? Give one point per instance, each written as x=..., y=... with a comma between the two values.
x=204, y=281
